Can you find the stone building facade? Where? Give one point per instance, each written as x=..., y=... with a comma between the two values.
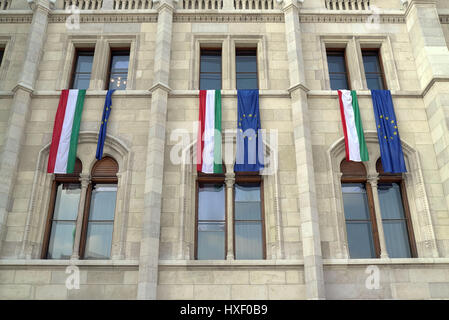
x=152, y=255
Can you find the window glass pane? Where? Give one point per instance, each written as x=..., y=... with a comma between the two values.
x=390, y=201
x=61, y=240
x=211, y=202
x=246, y=63
x=374, y=81
x=338, y=81
x=210, y=63
x=119, y=70
x=247, y=81
x=247, y=202
x=67, y=200
x=99, y=240
x=210, y=81
x=355, y=201
x=102, y=205
x=371, y=63
x=81, y=81
x=396, y=238
x=248, y=240
x=211, y=241
x=84, y=63
x=360, y=240
x=336, y=62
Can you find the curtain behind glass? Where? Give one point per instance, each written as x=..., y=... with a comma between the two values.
x=394, y=221
x=248, y=222
x=358, y=222
x=211, y=222
x=64, y=221
x=101, y=221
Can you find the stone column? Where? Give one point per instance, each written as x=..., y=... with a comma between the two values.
x=85, y=180
x=149, y=245
x=19, y=112
x=432, y=64
x=230, y=180
x=372, y=180
x=310, y=232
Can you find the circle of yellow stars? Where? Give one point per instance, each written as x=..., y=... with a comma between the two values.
x=240, y=124
x=391, y=122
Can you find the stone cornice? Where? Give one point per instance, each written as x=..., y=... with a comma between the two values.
x=161, y=86
x=107, y=18
x=228, y=17
x=360, y=17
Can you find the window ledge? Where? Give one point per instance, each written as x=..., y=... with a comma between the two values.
x=45, y=262
x=231, y=263
x=361, y=93
x=396, y=261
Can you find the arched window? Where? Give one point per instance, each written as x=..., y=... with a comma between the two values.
x=361, y=226
x=396, y=220
x=98, y=221
x=62, y=215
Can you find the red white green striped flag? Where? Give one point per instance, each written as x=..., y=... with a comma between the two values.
x=209, y=132
x=65, y=132
x=356, y=149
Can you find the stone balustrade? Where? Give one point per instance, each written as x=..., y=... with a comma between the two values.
x=5, y=4
x=348, y=4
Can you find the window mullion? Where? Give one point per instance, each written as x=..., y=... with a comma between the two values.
x=85, y=180
x=230, y=181
x=372, y=181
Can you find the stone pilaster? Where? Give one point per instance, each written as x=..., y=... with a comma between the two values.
x=149, y=246
x=432, y=64
x=19, y=112
x=310, y=232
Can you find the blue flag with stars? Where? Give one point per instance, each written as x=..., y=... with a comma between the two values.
x=249, y=156
x=388, y=133
x=104, y=124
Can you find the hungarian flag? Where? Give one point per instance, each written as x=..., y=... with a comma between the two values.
x=356, y=149
x=65, y=132
x=209, y=132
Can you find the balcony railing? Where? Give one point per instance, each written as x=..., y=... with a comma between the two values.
x=254, y=4
x=202, y=4
x=348, y=4
x=84, y=4
x=5, y=4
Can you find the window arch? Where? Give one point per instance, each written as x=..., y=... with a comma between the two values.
x=62, y=214
x=99, y=211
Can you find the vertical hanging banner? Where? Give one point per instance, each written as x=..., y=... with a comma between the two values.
x=104, y=124
x=209, y=158
x=388, y=132
x=66, y=129
x=355, y=144
x=249, y=156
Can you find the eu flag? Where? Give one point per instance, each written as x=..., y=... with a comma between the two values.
x=388, y=133
x=249, y=155
x=104, y=124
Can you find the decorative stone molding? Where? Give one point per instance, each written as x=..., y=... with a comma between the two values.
x=5, y=4
x=349, y=18
x=228, y=17
x=105, y=18
x=16, y=18
x=348, y=4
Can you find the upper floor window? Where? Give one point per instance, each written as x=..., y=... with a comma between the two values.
x=374, y=74
x=97, y=216
x=210, y=69
x=338, y=74
x=246, y=68
x=2, y=53
x=118, y=71
x=82, y=68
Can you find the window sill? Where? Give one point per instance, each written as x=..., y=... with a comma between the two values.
x=231, y=263
x=49, y=262
x=390, y=261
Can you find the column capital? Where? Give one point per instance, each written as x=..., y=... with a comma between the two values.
x=46, y=5
x=373, y=179
x=286, y=4
x=167, y=4
x=230, y=179
x=84, y=179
